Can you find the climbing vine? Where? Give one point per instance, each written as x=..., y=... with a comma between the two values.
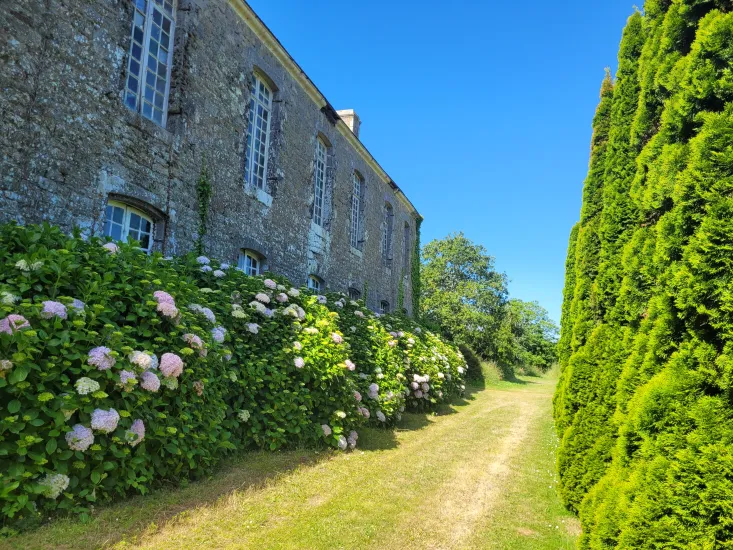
x=203, y=191
x=416, y=283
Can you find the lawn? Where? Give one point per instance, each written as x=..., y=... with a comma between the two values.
x=478, y=474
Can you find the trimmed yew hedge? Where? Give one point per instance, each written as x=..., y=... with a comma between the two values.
x=644, y=407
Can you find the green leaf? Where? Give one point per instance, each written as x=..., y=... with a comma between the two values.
x=51, y=446
x=14, y=406
x=96, y=477
x=19, y=374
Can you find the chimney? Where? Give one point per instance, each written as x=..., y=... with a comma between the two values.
x=351, y=119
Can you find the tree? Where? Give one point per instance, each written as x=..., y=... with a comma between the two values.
x=533, y=333
x=462, y=292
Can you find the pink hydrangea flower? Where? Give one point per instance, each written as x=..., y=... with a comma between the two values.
x=359, y=314
x=167, y=309
x=381, y=417
x=365, y=412
x=171, y=365
x=353, y=437
x=337, y=338
x=80, y=438
x=269, y=283
x=194, y=341
x=357, y=396
x=112, y=248
x=392, y=343
x=262, y=297
x=414, y=385
x=282, y=297
x=149, y=381
x=326, y=429
x=136, y=433
x=297, y=346
x=350, y=365
x=161, y=296
x=299, y=362
x=12, y=323
x=100, y=357
x=418, y=394
x=105, y=421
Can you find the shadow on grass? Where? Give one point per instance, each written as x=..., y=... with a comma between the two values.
x=124, y=521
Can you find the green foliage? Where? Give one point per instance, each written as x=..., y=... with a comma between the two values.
x=416, y=273
x=643, y=407
x=203, y=192
x=462, y=292
x=263, y=365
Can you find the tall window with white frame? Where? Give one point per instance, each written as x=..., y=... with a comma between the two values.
x=387, y=235
x=319, y=181
x=356, y=210
x=123, y=222
x=250, y=262
x=258, y=134
x=149, y=64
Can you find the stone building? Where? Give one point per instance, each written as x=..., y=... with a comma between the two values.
x=112, y=108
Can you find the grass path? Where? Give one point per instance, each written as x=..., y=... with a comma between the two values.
x=480, y=474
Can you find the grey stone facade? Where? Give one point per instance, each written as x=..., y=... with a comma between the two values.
x=68, y=143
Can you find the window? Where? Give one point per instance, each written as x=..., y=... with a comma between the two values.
x=122, y=222
x=250, y=262
x=383, y=307
x=258, y=134
x=354, y=294
x=314, y=283
x=319, y=182
x=407, y=250
x=149, y=63
x=356, y=211
x=387, y=235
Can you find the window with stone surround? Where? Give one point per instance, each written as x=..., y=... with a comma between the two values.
x=387, y=230
x=258, y=133
x=357, y=207
x=250, y=262
x=315, y=283
x=406, y=250
x=122, y=222
x=354, y=294
x=384, y=307
x=149, y=60
x=319, y=182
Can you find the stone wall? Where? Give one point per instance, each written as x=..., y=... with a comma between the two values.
x=68, y=144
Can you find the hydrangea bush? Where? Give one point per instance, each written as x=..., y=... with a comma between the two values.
x=119, y=370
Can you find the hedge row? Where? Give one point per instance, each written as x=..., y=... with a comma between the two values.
x=644, y=407
x=120, y=370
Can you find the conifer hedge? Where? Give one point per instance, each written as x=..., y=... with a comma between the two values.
x=644, y=408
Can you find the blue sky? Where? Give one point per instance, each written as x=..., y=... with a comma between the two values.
x=480, y=111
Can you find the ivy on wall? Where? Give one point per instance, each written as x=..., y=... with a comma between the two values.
x=203, y=192
x=416, y=283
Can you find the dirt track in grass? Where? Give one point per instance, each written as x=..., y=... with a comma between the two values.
x=480, y=474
